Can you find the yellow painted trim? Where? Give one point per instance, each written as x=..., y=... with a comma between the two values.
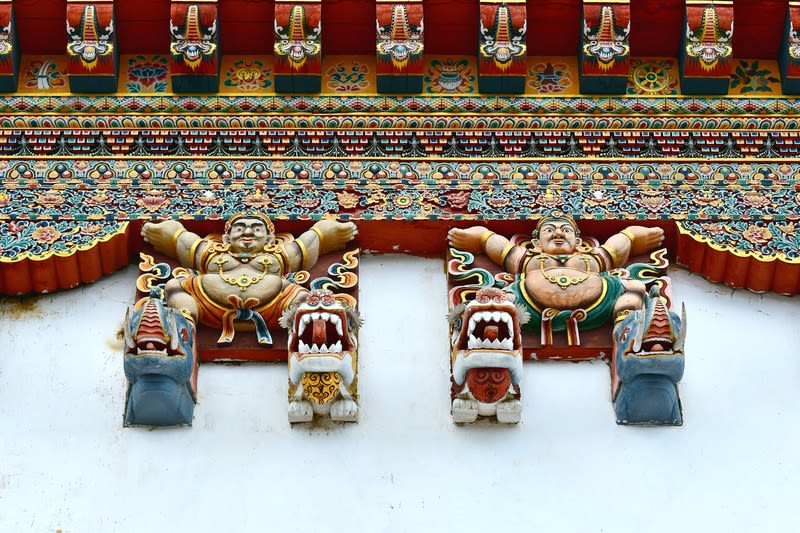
x=735, y=251
x=65, y=253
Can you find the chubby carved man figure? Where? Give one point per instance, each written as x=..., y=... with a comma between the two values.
x=562, y=273
x=242, y=277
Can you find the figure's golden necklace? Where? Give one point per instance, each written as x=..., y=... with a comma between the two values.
x=244, y=280
x=563, y=280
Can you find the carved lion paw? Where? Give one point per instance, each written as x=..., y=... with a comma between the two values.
x=509, y=412
x=344, y=411
x=300, y=411
x=465, y=411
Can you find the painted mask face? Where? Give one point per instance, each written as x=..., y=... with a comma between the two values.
x=248, y=235
x=557, y=237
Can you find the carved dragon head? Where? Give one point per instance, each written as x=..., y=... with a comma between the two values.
x=158, y=339
x=300, y=42
x=5, y=41
x=794, y=43
x=399, y=40
x=192, y=41
x=322, y=337
x=650, y=341
x=90, y=43
x=486, y=333
x=604, y=42
x=712, y=43
x=503, y=43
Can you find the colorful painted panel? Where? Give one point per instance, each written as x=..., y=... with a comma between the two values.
x=246, y=74
x=91, y=47
x=145, y=74
x=348, y=74
x=755, y=76
x=43, y=74
x=654, y=76
x=552, y=76
x=451, y=75
x=194, y=46
x=706, y=55
x=502, y=49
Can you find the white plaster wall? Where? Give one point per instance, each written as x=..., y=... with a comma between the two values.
x=66, y=462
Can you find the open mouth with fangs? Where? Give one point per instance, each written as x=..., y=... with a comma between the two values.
x=321, y=332
x=660, y=338
x=489, y=328
x=151, y=339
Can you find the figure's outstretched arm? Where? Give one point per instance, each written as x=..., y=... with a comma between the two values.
x=171, y=239
x=481, y=240
x=323, y=237
x=633, y=240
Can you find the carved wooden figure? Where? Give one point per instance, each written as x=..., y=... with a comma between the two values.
x=92, y=51
x=323, y=352
x=298, y=46
x=194, y=46
x=502, y=48
x=564, y=290
x=486, y=360
x=789, y=58
x=9, y=49
x=399, y=46
x=706, y=54
x=605, y=54
x=243, y=282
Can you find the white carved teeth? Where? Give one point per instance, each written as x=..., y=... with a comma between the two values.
x=475, y=343
x=306, y=319
x=337, y=321
x=489, y=316
x=319, y=348
x=139, y=351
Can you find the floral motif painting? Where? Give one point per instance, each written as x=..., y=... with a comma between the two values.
x=147, y=74
x=653, y=76
x=755, y=77
x=44, y=74
x=247, y=74
x=450, y=76
x=348, y=77
x=549, y=77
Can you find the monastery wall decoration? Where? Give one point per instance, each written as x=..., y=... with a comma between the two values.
x=403, y=148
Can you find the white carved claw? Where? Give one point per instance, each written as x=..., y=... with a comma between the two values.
x=300, y=411
x=509, y=412
x=344, y=411
x=464, y=411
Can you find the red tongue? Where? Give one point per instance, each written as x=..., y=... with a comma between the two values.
x=490, y=333
x=318, y=335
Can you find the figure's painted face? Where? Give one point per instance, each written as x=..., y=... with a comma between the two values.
x=248, y=235
x=557, y=237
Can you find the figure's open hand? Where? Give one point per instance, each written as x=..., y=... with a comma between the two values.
x=645, y=239
x=336, y=234
x=468, y=240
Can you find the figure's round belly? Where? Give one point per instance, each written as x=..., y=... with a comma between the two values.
x=547, y=293
x=218, y=290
